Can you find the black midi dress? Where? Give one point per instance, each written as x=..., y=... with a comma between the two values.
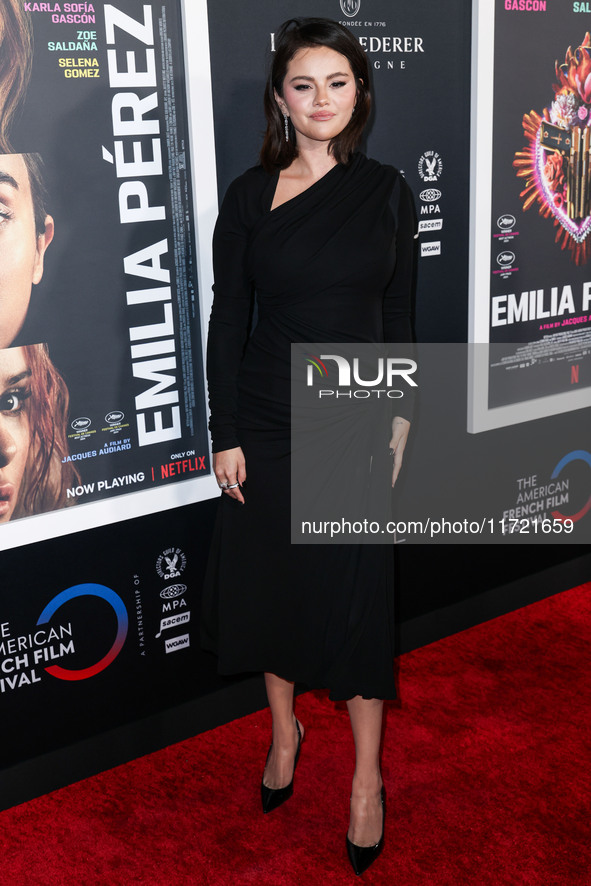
x=333, y=264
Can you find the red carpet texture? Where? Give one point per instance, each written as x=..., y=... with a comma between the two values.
x=486, y=764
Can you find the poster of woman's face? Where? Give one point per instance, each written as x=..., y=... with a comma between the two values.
x=34, y=470
x=25, y=233
x=15, y=430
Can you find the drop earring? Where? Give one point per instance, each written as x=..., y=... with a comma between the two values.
x=285, y=119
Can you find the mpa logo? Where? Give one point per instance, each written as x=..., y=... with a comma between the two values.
x=430, y=195
x=506, y=222
x=173, y=591
x=113, y=418
x=350, y=8
x=430, y=166
x=81, y=424
x=505, y=259
x=170, y=563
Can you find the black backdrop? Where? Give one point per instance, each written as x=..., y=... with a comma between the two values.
x=423, y=107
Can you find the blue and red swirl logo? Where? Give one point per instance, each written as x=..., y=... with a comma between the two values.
x=575, y=455
x=88, y=590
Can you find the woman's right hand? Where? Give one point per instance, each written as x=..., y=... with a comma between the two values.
x=229, y=467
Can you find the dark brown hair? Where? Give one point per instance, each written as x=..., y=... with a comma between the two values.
x=304, y=33
x=34, y=164
x=46, y=477
x=16, y=54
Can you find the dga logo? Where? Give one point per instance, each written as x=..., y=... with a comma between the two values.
x=113, y=418
x=81, y=424
x=172, y=591
x=505, y=259
x=170, y=563
x=430, y=195
x=88, y=590
x=575, y=455
x=430, y=166
x=506, y=222
x=350, y=8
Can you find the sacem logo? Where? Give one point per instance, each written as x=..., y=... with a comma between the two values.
x=433, y=224
x=173, y=591
x=430, y=195
x=113, y=418
x=81, y=424
x=506, y=222
x=350, y=8
x=505, y=259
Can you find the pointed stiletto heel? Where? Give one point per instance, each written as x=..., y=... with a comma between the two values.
x=274, y=797
x=361, y=857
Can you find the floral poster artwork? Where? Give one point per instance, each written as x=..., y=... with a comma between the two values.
x=555, y=162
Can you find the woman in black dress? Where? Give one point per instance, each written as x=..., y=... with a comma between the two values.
x=324, y=237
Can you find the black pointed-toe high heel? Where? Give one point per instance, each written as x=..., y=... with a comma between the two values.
x=361, y=857
x=274, y=797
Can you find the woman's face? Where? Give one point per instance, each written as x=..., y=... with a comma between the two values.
x=319, y=94
x=15, y=433
x=21, y=250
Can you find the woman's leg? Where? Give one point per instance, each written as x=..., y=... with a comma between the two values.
x=279, y=769
x=365, y=824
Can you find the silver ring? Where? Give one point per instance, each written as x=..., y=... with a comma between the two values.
x=233, y=486
x=223, y=485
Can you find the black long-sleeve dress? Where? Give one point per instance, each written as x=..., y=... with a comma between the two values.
x=333, y=264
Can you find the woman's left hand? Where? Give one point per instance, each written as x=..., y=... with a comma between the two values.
x=400, y=429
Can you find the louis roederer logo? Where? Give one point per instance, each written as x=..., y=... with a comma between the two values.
x=384, y=371
x=350, y=8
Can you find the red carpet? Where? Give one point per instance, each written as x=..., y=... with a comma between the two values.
x=487, y=767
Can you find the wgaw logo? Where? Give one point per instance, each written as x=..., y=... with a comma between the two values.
x=384, y=372
x=433, y=247
x=350, y=8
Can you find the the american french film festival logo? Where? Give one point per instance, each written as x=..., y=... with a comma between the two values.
x=384, y=374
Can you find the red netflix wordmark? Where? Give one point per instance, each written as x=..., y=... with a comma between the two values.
x=574, y=374
x=186, y=466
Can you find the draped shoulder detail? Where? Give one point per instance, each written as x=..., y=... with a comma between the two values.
x=330, y=264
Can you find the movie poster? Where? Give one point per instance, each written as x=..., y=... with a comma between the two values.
x=531, y=258
x=101, y=374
